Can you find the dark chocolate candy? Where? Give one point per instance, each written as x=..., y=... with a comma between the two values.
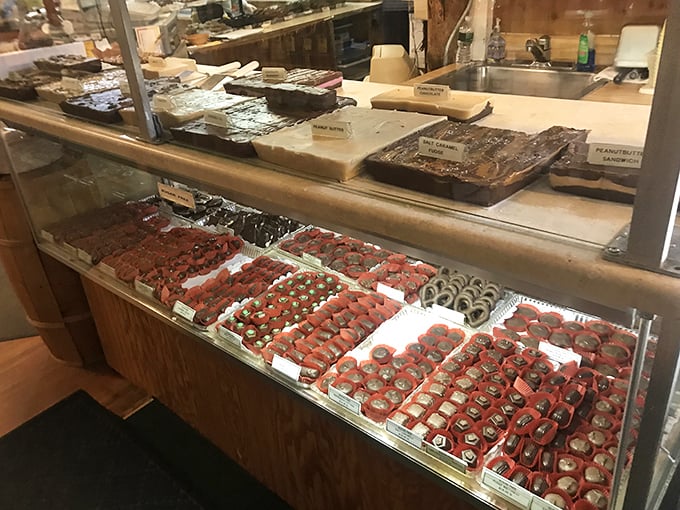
x=511, y=444
x=543, y=430
x=529, y=453
x=547, y=461
x=501, y=467
x=538, y=485
x=520, y=478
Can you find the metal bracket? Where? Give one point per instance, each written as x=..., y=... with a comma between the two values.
x=617, y=251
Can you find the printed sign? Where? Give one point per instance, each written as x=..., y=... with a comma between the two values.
x=403, y=433
x=286, y=367
x=441, y=149
x=215, y=118
x=337, y=396
x=558, y=354
x=274, y=74
x=176, y=195
x=625, y=156
x=447, y=313
x=507, y=489
x=391, y=293
x=430, y=90
x=184, y=311
x=332, y=129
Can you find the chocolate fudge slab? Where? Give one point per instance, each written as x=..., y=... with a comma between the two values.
x=499, y=161
x=21, y=85
x=255, y=87
x=57, y=63
x=100, y=106
x=247, y=121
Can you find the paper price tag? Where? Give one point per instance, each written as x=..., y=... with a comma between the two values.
x=274, y=74
x=332, y=129
x=542, y=504
x=624, y=156
x=71, y=84
x=164, y=102
x=558, y=354
x=311, y=259
x=391, y=293
x=215, y=118
x=107, y=270
x=124, y=87
x=184, y=311
x=286, y=367
x=337, y=396
x=178, y=196
x=71, y=250
x=228, y=335
x=430, y=90
x=453, y=461
x=84, y=256
x=156, y=61
x=447, y=313
x=47, y=236
x=441, y=149
x=143, y=289
x=403, y=433
x=506, y=489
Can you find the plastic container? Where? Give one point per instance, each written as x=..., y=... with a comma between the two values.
x=465, y=36
x=586, y=45
x=495, y=50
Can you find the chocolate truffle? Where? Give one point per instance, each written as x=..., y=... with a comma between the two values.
x=597, y=498
x=568, y=484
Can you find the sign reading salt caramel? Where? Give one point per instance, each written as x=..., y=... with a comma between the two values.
x=441, y=149
x=215, y=118
x=71, y=84
x=507, y=489
x=274, y=74
x=331, y=128
x=625, y=156
x=178, y=196
x=429, y=90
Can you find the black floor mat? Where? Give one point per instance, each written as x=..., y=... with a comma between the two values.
x=217, y=481
x=77, y=455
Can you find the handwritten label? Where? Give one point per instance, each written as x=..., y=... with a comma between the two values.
x=124, y=87
x=84, y=256
x=71, y=84
x=396, y=294
x=332, y=129
x=441, y=149
x=71, y=250
x=311, y=259
x=624, y=156
x=507, y=489
x=156, y=61
x=47, y=236
x=274, y=74
x=184, y=311
x=144, y=289
x=164, y=102
x=457, y=463
x=337, y=396
x=447, y=313
x=429, y=90
x=542, y=504
x=286, y=367
x=558, y=354
x=403, y=433
x=215, y=118
x=176, y=195
x=107, y=270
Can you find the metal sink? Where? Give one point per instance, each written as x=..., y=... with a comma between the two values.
x=560, y=81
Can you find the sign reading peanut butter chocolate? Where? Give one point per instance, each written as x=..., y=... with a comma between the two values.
x=429, y=90
x=625, y=156
x=442, y=149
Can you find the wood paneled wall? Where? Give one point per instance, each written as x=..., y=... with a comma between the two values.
x=554, y=17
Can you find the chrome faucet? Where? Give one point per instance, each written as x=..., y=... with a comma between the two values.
x=540, y=49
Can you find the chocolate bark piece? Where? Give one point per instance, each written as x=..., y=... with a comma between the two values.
x=56, y=92
x=57, y=63
x=100, y=107
x=247, y=121
x=288, y=96
x=499, y=162
x=254, y=86
x=21, y=85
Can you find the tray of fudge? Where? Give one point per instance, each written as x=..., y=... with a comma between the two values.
x=68, y=87
x=241, y=123
x=255, y=86
x=21, y=85
x=336, y=144
x=470, y=163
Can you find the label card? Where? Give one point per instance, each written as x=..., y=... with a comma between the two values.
x=84, y=256
x=47, y=236
x=457, y=463
x=124, y=87
x=71, y=250
x=164, y=102
x=176, y=195
x=332, y=129
x=228, y=335
x=441, y=149
x=184, y=311
x=507, y=489
x=558, y=354
x=391, y=293
x=156, y=61
x=430, y=90
x=337, y=396
x=325, y=8
x=215, y=118
x=624, y=156
x=403, y=433
x=447, y=313
x=542, y=504
x=274, y=74
x=108, y=270
x=311, y=259
x=286, y=367
x=72, y=84
x=143, y=288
